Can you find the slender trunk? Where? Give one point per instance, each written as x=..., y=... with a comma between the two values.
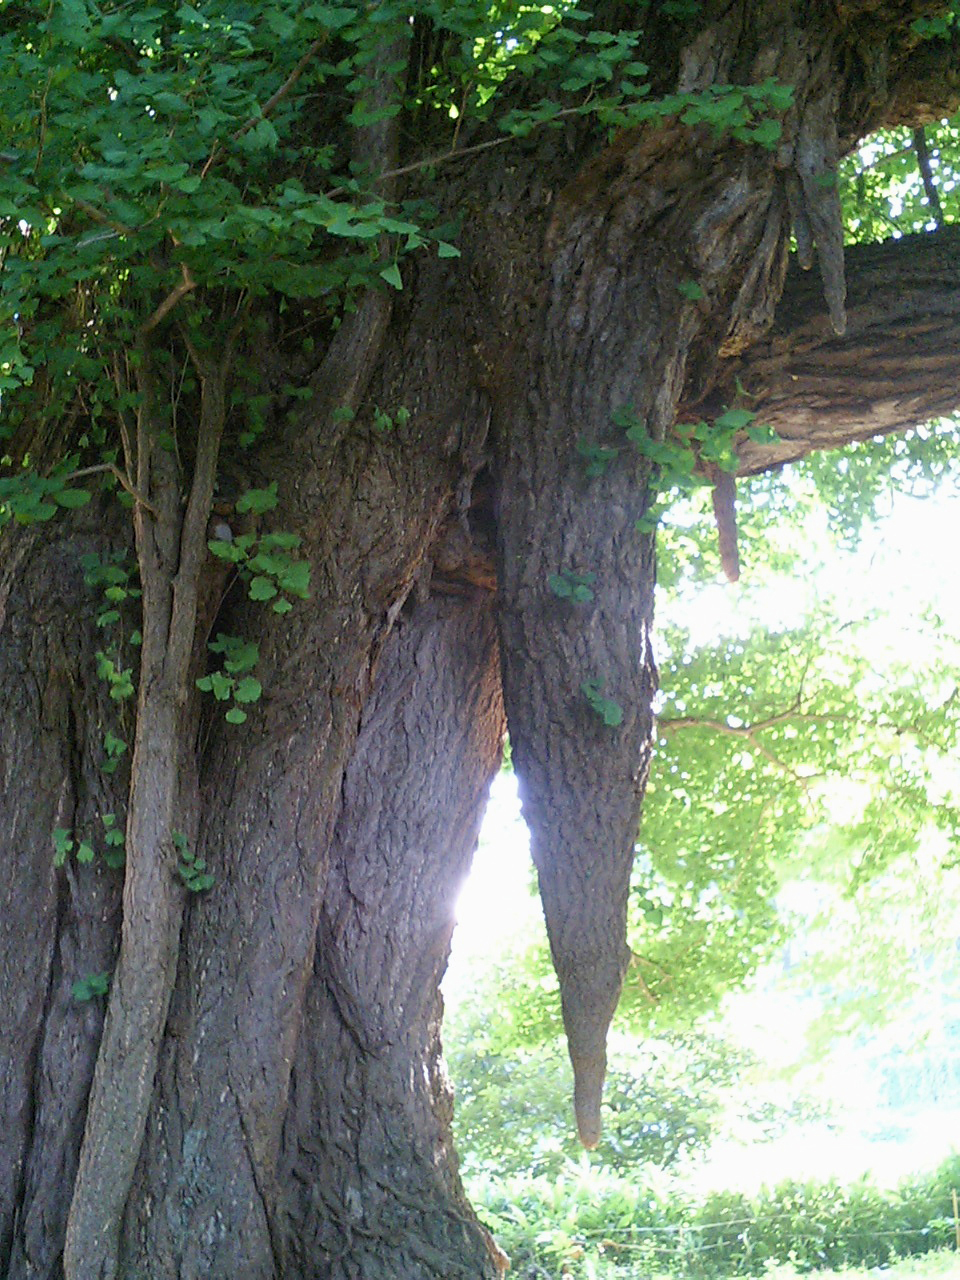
x=171, y=549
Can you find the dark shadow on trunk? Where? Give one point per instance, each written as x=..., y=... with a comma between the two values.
x=60, y=925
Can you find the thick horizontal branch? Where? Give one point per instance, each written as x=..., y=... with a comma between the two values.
x=895, y=367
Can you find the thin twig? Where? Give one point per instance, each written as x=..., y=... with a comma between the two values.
x=42, y=124
x=93, y=212
x=460, y=114
x=668, y=724
x=122, y=385
x=445, y=157
x=276, y=98
x=926, y=174
x=749, y=732
x=271, y=103
x=187, y=285
x=100, y=468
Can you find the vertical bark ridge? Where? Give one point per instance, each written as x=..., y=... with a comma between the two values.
x=65, y=920
x=667, y=249
x=616, y=331
x=171, y=550
x=205, y=1199
x=367, y=1140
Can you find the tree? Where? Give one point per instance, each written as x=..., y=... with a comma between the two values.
x=362, y=311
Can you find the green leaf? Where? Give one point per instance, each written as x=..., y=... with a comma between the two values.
x=239, y=655
x=763, y=434
x=445, y=250
x=392, y=276
x=248, y=690
x=734, y=420
x=690, y=289
x=71, y=498
x=236, y=716
x=225, y=550
x=612, y=713
x=258, y=501
x=280, y=540
x=295, y=579
x=92, y=984
x=221, y=685
x=262, y=589
x=62, y=844
x=767, y=133
x=85, y=852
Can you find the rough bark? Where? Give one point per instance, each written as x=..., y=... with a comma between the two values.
x=59, y=925
x=369, y=1170
x=616, y=330
x=894, y=367
x=299, y=1123
x=170, y=528
x=369, y=507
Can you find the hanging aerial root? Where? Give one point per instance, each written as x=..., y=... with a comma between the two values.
x=815, y=203
x=725, y=514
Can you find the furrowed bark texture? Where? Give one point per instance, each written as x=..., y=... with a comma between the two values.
x=368, y=506
x=369, y=1168
x=58, y=925
x=894, y=368
x=298, y=1124
x=616, y=329
x=171, y=551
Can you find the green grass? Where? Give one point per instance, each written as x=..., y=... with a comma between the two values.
x=930, y=1266
x=590, y=1225
x=946, y=1262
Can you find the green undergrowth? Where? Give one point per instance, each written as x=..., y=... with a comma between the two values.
x=594, y=1225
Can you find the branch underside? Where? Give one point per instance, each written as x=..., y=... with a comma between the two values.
x=893, y=369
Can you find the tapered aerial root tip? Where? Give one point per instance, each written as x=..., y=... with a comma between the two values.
x=587, y=1096
x=589, y=1128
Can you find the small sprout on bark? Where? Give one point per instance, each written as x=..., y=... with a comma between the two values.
x=114, y=854
x=113, y=747
x=233, y=683
x=90, y=985
x=597, y=457
x=575, y=587
x=191, y=869
x=610, y=712
x=62, y=845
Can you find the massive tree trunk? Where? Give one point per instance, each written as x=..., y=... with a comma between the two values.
x=297, y=1120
